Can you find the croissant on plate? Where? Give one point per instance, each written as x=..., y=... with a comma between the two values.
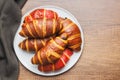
x=74, y=35
x=40, y=28
x=51, y=52
x=33, y=44
x=40, y=14
x=58, y=64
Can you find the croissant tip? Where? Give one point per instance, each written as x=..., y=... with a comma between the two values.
x=20, y=33
x=77, y=49
x=32, y=61
x=19, y=44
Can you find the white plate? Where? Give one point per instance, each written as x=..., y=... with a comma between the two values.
x=25, y=57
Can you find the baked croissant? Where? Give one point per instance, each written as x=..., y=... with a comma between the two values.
x=40, y=28
x=33, y=44
x=74, y=35
x=51, y=52
x=59, y=64
x=40, y=14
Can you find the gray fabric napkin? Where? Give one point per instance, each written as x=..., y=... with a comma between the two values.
x=10, y=16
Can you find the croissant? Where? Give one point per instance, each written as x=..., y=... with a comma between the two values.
x=74, y=38
x=40, y=14
x=33, y=44
x=59, y=64
x=51, y=52
x=40, y=28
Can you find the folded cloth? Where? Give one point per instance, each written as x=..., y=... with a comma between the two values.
x=10, y=16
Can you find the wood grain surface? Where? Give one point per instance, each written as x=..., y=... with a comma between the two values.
x=100, y=20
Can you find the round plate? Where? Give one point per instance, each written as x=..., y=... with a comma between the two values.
x=25, y=57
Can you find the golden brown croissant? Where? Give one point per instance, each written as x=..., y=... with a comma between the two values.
x=40, y=28
x=41, y=13
x=33, y=44
x=52, y=51
x=67, y=53
x=74, y=38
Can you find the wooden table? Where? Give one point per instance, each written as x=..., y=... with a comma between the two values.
x=100, y=20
